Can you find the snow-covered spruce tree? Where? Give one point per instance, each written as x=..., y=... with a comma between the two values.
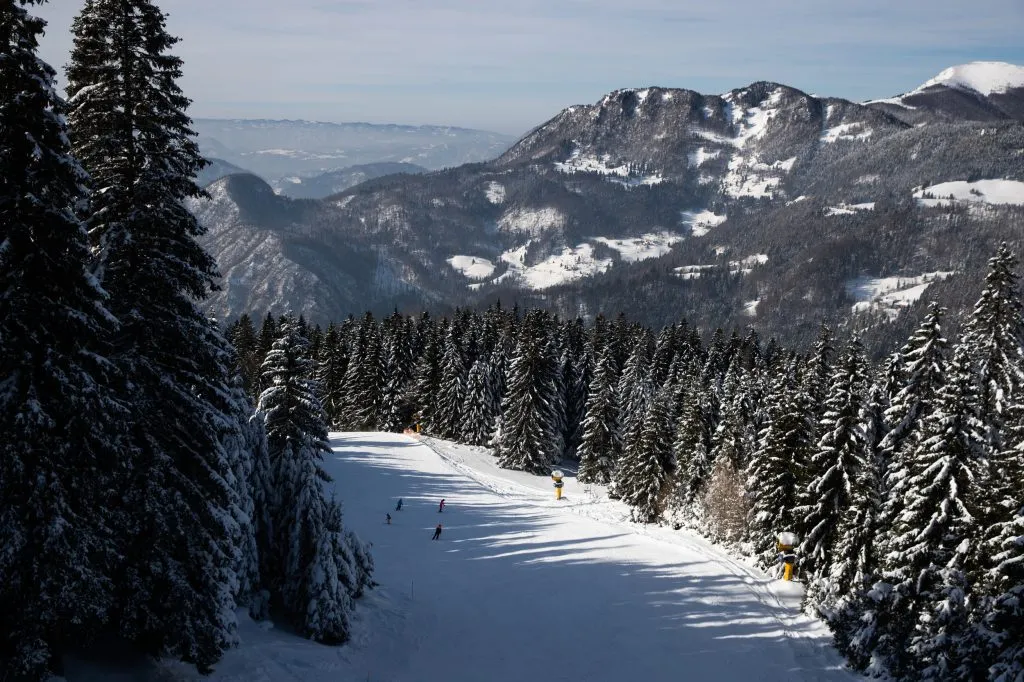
x=819, y=372
x=774, y=475
x=130, y=130
x=479, y=408
x=58, y=418
x=576, y=368
x=734, y=436
x=527, y=441
x=427, y=376
x=1004, y=615
x=452, y=390
x=635, y=388
x=923, y=376
x=331, y=365
x=692, y=451
x=835, y=494
x=305, y=565
x=646, y=465
x=396, y=413
x=364, y=379
x=995, y=335
x=602, y=443
x=929, y=558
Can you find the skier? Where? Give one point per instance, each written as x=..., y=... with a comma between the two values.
x=398, y=507
x=437, y=532
x=389, y=519
x=440, y=507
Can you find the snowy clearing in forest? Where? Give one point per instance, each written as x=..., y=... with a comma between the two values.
x=495, y=192
x=701, y=222
x=890, y=294
x=521, y=587
x=633, y=249
x=472, y=267
x=981, y=191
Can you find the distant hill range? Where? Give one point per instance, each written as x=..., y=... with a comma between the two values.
x=763, y=206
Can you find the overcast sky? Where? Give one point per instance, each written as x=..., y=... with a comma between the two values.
x=508, y=65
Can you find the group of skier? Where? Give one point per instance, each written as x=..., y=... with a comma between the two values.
x=437, y=530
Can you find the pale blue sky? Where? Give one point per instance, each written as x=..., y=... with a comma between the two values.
x=509, y=65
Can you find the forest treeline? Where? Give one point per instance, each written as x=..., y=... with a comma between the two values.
x=903, y=480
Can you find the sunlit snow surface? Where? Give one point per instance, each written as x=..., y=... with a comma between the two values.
x=521, y=587
x=890, y=294
x=980, y=191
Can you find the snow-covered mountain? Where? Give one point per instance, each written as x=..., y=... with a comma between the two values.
x=980, y=91
x=760, y=205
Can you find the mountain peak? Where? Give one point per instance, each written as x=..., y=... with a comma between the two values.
x=986, y=78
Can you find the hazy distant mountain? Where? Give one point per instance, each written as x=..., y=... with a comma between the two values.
x=217, y=169
x=279, y=149
x=332, y=182
x=762, y=206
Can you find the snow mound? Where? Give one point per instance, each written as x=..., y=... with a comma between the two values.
x=986, y=78
x=980, y=191
x=472, y=267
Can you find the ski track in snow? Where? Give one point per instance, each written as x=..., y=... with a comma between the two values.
x=523, y=587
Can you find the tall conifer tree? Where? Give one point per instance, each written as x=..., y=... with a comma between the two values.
x=130, y=130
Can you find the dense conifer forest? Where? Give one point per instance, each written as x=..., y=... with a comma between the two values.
x=143, y=495
x=903, y=479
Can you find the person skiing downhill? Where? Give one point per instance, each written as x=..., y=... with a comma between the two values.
x=389, y=519
x=398, y=507
x=440, y=507
x=437, y=532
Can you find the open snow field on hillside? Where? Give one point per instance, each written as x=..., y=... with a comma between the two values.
x=521, y=587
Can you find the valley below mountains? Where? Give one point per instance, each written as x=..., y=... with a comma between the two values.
x=764, y=207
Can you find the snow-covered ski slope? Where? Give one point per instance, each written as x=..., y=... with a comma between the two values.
x=521, y=587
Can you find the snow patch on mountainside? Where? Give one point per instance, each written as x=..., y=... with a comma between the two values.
x=645, y=246
x=981, y=191
x=624, y=174
x=701, y=222
x=987, y=78
x=569, y=265
x=849, y=209
x=472, y=267
x=890, y=294
x=495, y=192
x=846, y=132
x=531, y=221
x=743, y=266
x=697, y=158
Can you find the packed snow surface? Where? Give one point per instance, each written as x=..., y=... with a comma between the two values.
x=472, y=267
x=521, y=587
x=986, y=78
x=982, y=191
x=890, y=294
